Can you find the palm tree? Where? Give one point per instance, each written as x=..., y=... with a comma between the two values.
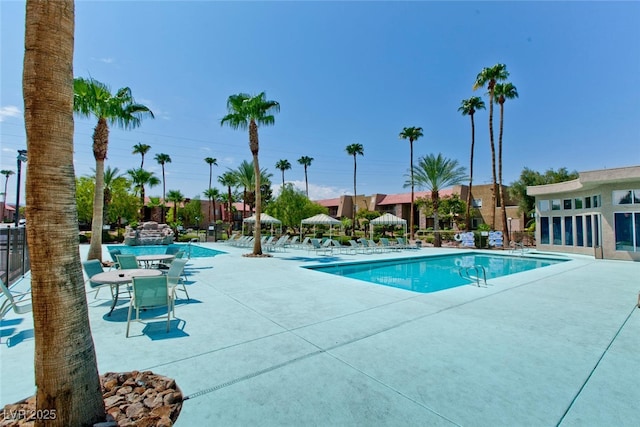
x=248, y=112
x=283, y=165
x=211, y=162
x=7, y=174
x=436, y=173
x=489, y=77
x=66, y=373
x=140, y=178
x=110, y=178
x=306, y=162
x=141, y=149
x=162, y=159
x=176, y=197
x=468, y=107
x=354, y=150
x=412, y=134
x=228, y=179
x=502, y=92
x=93, y=98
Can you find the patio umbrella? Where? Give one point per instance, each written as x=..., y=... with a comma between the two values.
x=322, y=219
x=264, y=219
x=388, y=219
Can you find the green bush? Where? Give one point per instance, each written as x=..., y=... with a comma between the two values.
x=83, y=238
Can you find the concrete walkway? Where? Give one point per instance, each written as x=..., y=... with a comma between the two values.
x=265, y=342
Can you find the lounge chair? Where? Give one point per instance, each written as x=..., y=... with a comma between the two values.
x=305, y=243
x=317, y=247
x=150, y=292
x=292, y=242
x=20, y=303
x=113, y=253
x=364, y=244
x=386, y=244
x=355, y=247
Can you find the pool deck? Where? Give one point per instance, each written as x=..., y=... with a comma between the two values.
x=265, y=342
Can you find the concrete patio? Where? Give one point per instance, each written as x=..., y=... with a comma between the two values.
x=265, y=342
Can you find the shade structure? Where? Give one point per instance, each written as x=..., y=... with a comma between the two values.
x=388, y=219
x=321, y=219
x=264, y=219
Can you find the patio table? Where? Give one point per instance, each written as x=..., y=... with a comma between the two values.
x=115, y=278
x=149, y=260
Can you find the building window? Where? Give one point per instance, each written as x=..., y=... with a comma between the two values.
x=555, y=205
x=577, y=203
x=557, y=230
x=622, y=197
x=568, y=230
x=567, y=204
x=544, y=230
x=475, y=222
x=477, y=203
x=579, y=231
x=596, y=201
x=587, y=202
x=626, y=230
x=543, y=205
x=589, y=231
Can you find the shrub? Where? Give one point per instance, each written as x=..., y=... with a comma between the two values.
x=83, y=238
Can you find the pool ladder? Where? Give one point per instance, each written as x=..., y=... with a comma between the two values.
x=465, y=273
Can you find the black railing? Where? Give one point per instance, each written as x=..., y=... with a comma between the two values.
x=14, y=253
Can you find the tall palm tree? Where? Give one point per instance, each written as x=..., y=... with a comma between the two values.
x=162, y=159
x=283, y=165
x=306, y=162
x=141, y=149
x=7, y=174
x=436, y=173
x=249, y=112
x=110, y=179
x=66, y=373
x=354, y=150
x=412, y=134
x=502, y=92
x=211, y=162
x=140, y=178
x=94, y=99
x=228, y=179
x=468, y=107
x=489, y=76
x=176, y=197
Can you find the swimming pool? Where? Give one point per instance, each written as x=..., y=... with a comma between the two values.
x=434, y=273
x=190, y=251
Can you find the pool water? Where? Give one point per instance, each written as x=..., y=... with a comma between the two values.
x=434, y=273
x=190, y=251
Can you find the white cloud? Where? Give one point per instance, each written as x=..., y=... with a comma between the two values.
x=107, y=60
x=9, y=111
x=316, y=192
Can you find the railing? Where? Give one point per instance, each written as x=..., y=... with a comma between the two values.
x=14, y=253
x=464, y=272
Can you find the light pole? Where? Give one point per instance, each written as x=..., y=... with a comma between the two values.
x=198, y=227
x=22, y=157
x=509, y=228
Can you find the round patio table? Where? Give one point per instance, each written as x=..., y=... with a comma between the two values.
x=115, y=278
x=149, y=260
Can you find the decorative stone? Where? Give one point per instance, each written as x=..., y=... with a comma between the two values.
x=148, y=233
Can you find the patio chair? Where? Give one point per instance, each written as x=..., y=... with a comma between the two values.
x=150, y=292
x=292, y=242
x=174, y=275
x=91, y=268
x=355, y=247
x=172, y=250
x=20, y=303
x=127, y=262
x=386, y=244
x=167, y=264
x=113, y=253
x=316, y=246
x=364, y=244
x=305, y=243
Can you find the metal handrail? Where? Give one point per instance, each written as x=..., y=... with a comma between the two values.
x=478, y=269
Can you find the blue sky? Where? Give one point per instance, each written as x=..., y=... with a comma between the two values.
x=346, y=72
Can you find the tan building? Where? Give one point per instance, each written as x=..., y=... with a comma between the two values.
x=400, y=205
x=596, y=214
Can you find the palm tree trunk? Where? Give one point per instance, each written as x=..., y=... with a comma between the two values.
x=355, y=194
x=494, y=189
x=306, y=181
x=503, y=207
x=412, y=194
x=4, y=198
x=469, y=197
x=253, y=145
x=164, y=195
x=66, y=374
x=435, y=198
x=282, y=180
x=229, y=211
x=95, y=247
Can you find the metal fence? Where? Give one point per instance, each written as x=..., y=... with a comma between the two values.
x=14, y=253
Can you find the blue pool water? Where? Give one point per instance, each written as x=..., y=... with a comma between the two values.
x=433, y=273
x=191, y=251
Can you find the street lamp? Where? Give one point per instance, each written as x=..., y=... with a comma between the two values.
x=198, y=227
x=509, y=227
x=22, y=157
